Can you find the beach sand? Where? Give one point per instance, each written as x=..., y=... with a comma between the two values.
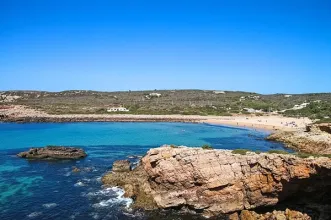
x=267, y=122
x=272, y=122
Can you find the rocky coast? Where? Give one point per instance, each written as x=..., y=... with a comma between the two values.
x=219, y=182
x=53, y=153
x=314, y=139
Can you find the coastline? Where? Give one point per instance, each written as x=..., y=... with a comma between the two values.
x=269, y=123
x=23, y=114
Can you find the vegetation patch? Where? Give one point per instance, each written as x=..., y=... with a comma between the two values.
x=277, y=152
x=207, y=147
x=306, y=155
x=240, y=151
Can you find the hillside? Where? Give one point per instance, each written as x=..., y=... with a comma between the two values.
x=187, y=102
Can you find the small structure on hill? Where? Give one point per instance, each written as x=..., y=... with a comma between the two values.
x=219, y=92
x=117, y=109
x=154, y=94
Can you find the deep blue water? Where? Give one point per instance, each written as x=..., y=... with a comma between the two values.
x=50, y=190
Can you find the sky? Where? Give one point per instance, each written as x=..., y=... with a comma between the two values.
x=269, y=46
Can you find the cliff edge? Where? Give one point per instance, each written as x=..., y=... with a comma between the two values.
x=214, y=182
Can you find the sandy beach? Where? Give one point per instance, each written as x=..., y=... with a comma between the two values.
x=270, y=122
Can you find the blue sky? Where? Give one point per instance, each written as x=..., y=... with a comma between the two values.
x=261, y=46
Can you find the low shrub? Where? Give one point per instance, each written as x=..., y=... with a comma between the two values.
x=207, y=147
x=277, y=152
x=240, y=151
x=306, y=155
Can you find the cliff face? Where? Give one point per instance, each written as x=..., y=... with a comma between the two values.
x=315, y=139
x=215, y=182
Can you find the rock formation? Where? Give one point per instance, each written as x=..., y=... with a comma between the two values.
x=52, y=152
x=214, y=182
x=121, y=166
x=315, y=139
x=275, y=215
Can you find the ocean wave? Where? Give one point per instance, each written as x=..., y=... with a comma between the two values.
x=79, y=183
x=95, y=215
x=49, y=205
x=67, y=174
x=34, y=214
x=117, y=197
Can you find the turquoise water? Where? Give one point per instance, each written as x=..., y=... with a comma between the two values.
x=49, y=190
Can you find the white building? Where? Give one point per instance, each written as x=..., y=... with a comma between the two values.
x=301, y=106
x=251, y=110
x=154, y=94
x=117, y=109
x=219, y=92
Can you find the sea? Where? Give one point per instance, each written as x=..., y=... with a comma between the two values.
x=51, y=190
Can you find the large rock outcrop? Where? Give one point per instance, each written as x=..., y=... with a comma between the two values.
x=53, y=152
x=275, y=215
x=314, y=139
x=214, y=182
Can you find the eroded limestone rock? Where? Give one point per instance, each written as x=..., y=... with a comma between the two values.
x=214, y=182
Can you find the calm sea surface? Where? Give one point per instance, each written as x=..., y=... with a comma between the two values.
x=50, y=190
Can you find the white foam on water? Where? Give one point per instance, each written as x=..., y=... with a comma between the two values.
x=117, y=198
x=95, y=215
x=67, y=174
x=73, y=216
x=86, y=180
x=34, y=214
x=79, y=183
x=49, y=205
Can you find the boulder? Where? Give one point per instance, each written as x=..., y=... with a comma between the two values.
x=121, y=166
x=216, y=182
x=53, y=152
x=275, y=215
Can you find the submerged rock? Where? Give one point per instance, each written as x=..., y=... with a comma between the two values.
x=53, y=152
x=218, y=182
x=75, y=170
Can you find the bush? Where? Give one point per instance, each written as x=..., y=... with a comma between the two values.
x=173, y=146
x=207, y=147
x=277, y=152
x=306, y=155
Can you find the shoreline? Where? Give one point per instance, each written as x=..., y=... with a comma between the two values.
x=267, y=123
x=23, y=114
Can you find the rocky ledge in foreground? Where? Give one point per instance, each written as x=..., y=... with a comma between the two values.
x=315, y=139
x=53, y=152
x=275, y=215
x=215, y=182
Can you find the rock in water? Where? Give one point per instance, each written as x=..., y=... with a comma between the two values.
x=53, y=152
x=121, y=166
x=217, y=182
